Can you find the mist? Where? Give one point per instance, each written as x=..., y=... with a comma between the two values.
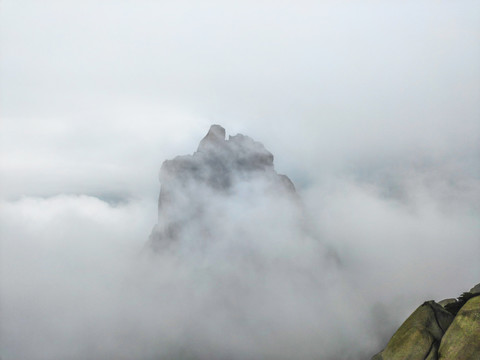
x=78, y=280
x=371, y=109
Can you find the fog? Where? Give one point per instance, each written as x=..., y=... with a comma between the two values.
x=371, y=109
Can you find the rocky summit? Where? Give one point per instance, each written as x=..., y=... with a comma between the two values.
x=447, y=330
x=220, y=169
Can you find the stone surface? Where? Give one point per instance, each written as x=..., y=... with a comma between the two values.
x=462, y=339
x=445, y=302
x=448, y=330
x=475, y=289
x=418, y=337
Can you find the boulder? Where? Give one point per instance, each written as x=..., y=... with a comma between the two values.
x=448, y=330
x=462, y=339
x=419, y=336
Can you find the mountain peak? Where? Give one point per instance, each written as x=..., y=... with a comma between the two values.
x=214, y=137
x=191, y=184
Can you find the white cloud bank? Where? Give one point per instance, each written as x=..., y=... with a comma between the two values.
x=78, y=283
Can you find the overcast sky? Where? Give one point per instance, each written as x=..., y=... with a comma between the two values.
x=372, y=108
x=94, y=95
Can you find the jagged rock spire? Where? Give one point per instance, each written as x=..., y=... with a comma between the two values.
x=216, y=168
x=214, y=138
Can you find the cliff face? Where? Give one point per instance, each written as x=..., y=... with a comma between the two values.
x=448, y=330
x=237, y=168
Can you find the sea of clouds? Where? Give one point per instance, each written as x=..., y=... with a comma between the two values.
x=370, y=108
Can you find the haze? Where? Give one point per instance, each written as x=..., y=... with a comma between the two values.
x=371, y=108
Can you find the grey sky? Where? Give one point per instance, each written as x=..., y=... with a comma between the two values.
x=95, y=92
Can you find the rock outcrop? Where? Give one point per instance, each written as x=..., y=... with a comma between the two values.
x=448, y=330
x=219, y=169
x=462, y=339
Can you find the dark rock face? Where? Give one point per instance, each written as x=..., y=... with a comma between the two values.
x=216, y=171
x=449, y=330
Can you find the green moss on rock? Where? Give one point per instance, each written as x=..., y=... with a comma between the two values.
x=418, y=337
x=475, y=289
x=462, y=339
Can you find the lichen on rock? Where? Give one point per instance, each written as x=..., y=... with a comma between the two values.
x=462, y=339
x=448, y=330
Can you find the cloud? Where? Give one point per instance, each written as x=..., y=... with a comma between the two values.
x=63, y=260
x=77, y=285
x=78, y=281
x=371, y=109
x=323, y=85
x=418, y=229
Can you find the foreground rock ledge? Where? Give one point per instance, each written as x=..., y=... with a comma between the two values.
x=450, y=331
